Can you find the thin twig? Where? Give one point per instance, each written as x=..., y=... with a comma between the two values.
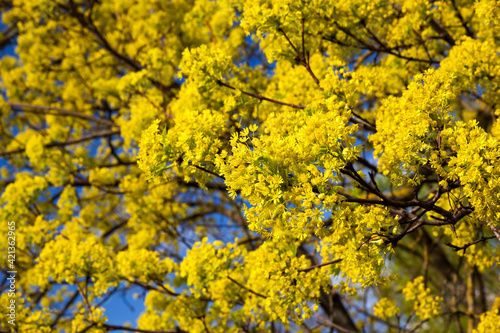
x=60, y=112
x=131, y=329
x=302, y=58
x=320, y=265
x=64, y=309
x=246, y=288
x=65, y=143
x=262, y=98
x=363, y=119
x=206, y=170
x=458, y=248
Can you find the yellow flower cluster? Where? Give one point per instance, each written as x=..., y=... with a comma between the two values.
x=275, y=271
x=290, y=180
x=269, y=280
x=357, y=236
x=143, y=265
x=151, y=151
x=205, y=65
x=30, y=320
x=385, y=308
x=483, y=255
x=489, y=11
x=426, y=306
x=476, y=164
x=279, y=103
x=19, y=195
x=151, y=210
x=190, y=146
x=490, y=322
x=73, y=256
x=408, y=126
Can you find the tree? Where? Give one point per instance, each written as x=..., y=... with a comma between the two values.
x=252, y=166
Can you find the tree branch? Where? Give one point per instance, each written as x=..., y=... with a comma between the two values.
x=301, y=57
x=109, y=327
x=66, y=143
x=308, y=269
x=246, y=288
x=260, y=97
x=63, y=310
x=458, y=248
x=60, y=112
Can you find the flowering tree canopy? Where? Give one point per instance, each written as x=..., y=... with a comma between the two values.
x=251, y=166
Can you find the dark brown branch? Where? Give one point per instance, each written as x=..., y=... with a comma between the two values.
x=211, y=186
x=8, y=35
x=375, y=38
x=367, y=164
x=66, y=143
x=303, y=40
x=87, y=328
x=464, y=247
x=408, y=229
x=412, y=221
x=371, y=126
x=63, y=310
x=246, y=288
x=260, y=97
x=308, y=269
x=88, y=24
x=435, y=24
x=109, y=327
x=302, y=58
x=60, y=112
x=468, y=31
x=385, y=322
x=114, y=228
x=206, y=170
x=353, y=199
x=150, y=287
x=365, y=46
x=438, y=27
x=350, y=171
